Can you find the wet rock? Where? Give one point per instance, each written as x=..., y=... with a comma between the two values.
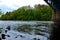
x=8, y=35
x=34, y=39
x=8, y=27
x=3, y=36
x=38, y=39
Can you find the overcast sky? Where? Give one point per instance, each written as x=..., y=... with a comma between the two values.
x=9, y=5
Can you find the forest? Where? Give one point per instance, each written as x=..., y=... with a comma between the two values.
x=28, y=13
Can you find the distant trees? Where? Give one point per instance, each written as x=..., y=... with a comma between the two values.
x=39, y=12
x=0, y=12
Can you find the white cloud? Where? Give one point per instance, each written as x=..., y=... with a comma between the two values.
x=14, y=4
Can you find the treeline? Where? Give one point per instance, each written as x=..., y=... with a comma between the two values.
x=27, y=13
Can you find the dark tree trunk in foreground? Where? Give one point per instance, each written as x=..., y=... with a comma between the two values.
x=55, y=35
x=55, y=4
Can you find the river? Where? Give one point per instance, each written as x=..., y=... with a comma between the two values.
x=31, y=27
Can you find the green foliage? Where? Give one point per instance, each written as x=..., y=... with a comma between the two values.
x=39, y=12
x=1, y=12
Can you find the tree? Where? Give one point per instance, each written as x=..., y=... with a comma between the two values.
x=39, y=12
x=0, y=12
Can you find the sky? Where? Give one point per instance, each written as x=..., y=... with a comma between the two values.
x=10, y=5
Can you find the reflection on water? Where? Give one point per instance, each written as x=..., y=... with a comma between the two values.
x=32, y=27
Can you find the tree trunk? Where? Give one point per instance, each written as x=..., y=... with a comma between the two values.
x=55, y=35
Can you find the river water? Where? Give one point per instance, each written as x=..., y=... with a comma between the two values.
x=43, y=28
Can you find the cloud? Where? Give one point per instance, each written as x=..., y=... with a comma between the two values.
x=14, y=4
x=5, y=8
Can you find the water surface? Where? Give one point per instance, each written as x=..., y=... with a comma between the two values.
x=31, y=27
